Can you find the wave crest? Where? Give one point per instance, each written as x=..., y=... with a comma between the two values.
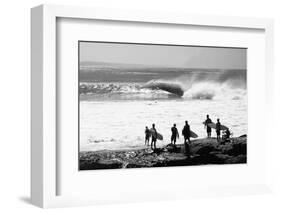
x=171, y=87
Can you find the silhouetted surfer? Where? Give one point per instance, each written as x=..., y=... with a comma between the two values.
x=186, y=132
x=175, y=134
x=147, y=136
x=186, y=135
x=153, y=132
x=218, y=129
x=209, y=129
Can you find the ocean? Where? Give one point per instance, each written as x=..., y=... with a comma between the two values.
x=117, y=102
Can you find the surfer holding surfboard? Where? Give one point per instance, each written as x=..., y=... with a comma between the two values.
x=175, y=134
x=147, y=136
x=217, y=126
x=218, y=129
x=186, y=134
x=209, y=129
x=153, y=133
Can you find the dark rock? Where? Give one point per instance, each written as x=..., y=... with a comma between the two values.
x=205, y=150
x=220, y=158
x=215, y=152
x=174, y=160
x=158, y=150
x=207, y=159
x=237, y=149
x=237, y=159
x=101, y=164
x=201, y=151
x=137, y=165
x=173, y=148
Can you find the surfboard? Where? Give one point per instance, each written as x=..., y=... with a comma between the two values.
x=193, y=134
x=159, y=136
x=213, y=126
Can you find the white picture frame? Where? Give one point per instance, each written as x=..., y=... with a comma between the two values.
x=44, y=169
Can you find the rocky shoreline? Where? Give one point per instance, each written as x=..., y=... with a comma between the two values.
x=202, y=152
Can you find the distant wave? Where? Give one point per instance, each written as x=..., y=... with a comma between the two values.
x=110, y=88
x=202, y=85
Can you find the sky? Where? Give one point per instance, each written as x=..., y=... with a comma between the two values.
x=164, y=55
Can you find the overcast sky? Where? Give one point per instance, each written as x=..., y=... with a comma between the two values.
x=164, y=56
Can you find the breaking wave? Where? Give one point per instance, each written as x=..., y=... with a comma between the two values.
x=203, y=86
x=170, y=87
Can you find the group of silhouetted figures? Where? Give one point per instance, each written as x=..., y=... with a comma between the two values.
x=186, y=132
x=226, y=132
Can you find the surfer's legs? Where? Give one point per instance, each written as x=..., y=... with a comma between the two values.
x=186, y=148
x=146, y=141
x=186, y=138
x=209, y=131
x=153, y=143
x=218, y=136
x=173, y=139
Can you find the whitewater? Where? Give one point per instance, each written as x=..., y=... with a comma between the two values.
x=114, y=113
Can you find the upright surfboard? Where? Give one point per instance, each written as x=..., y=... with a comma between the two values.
x=213, y=126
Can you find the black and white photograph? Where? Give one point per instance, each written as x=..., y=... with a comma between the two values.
x=158, y=105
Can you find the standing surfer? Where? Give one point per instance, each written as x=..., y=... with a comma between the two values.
x=147, y=136
x=153, y=132
x=218, y=129
x=175, y=134
x=186, y=135
x=209, y=129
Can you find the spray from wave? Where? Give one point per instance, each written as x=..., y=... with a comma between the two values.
x=205, y=85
